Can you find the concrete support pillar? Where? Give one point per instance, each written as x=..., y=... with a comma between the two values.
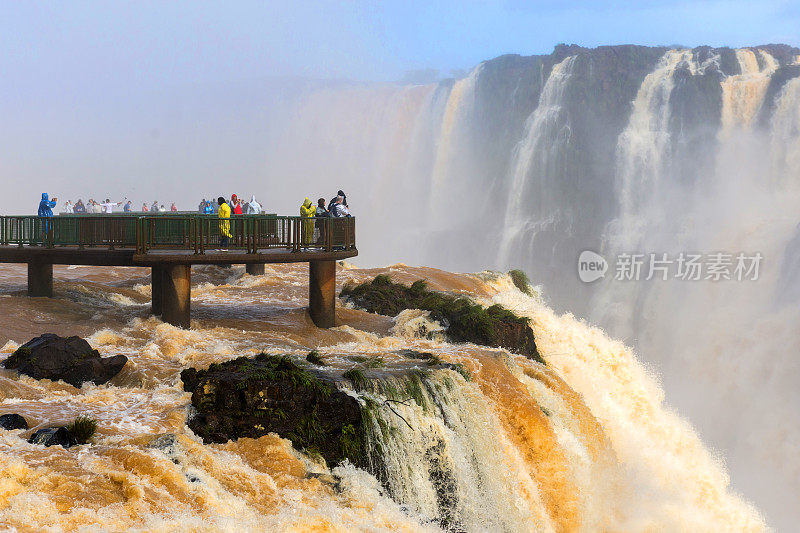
x=255, y=269
x=157, y=285
x=177, y=295
x=40, y=279
x=322, y=293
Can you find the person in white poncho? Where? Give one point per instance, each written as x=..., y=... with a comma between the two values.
x=252, y=207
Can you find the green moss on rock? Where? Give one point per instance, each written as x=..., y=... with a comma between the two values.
x=521, y=281
x=252, y=397
x=463, y=319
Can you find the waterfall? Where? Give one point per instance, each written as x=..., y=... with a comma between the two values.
x=743, y=94
x=730, y=338
x=642, y=148
x=425, y=448
x=448, y=175
x=534, y=160
x=582, y=444
x=634, y=120
x=785, y=134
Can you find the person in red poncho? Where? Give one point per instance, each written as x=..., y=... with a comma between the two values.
x=237, y=205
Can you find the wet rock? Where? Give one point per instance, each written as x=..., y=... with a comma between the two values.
x=463, y=319
x=252, y=397
x=71, y=359
x=13, y=421
x=165, y=443
x=53, y=437
x=327, y=479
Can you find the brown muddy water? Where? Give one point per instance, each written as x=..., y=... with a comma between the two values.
x=582, y=444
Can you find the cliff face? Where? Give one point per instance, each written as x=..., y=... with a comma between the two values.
x=545, y=146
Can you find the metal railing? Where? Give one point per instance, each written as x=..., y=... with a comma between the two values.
x=199, y=233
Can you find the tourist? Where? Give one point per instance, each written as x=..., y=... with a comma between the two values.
x=341, y=195
x=208, y=209
x=96, y=208
x=224, y=224
x=253, y=207
x=321, y=224
x=108, y=206
x=339, y=208
x=79, y=207
x=174, y=208
x=144, y=207
x=237, y=205
x=307, y=211
x=154, y=208
x=46, y=211
x=202, y=207
x=128, y=207
x=67, y=207
x=321, y=211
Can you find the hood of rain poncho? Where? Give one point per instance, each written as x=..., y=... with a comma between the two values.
x=253, y=207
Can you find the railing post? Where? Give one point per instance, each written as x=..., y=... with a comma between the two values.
x=256, y=225
x=138, y=231
x=329, y=222
x=193, y=223
x=112, y=227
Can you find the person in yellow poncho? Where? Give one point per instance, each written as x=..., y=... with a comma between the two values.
x=307, y=210
x=224, y=223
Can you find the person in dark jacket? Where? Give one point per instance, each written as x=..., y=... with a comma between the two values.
x=321, y=224
x=79, y=207
x=334, y=200
x=339, y=208
x=321, y=211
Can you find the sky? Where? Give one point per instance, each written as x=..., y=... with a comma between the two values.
x=141, y=98
x=141, y=44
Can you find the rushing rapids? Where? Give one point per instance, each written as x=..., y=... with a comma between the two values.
x=583, y=443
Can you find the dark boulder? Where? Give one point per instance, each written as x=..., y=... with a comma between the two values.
x=252, y=397
x=13, y=421
x=53, y=437
x=58, y=358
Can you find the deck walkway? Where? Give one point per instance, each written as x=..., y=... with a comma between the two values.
x=170, y=245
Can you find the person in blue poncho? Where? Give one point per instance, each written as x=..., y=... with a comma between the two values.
x=46, y=211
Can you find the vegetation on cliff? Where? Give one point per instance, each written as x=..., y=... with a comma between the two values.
x=463, y=319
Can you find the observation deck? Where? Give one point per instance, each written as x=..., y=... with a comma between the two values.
x=171, y=243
